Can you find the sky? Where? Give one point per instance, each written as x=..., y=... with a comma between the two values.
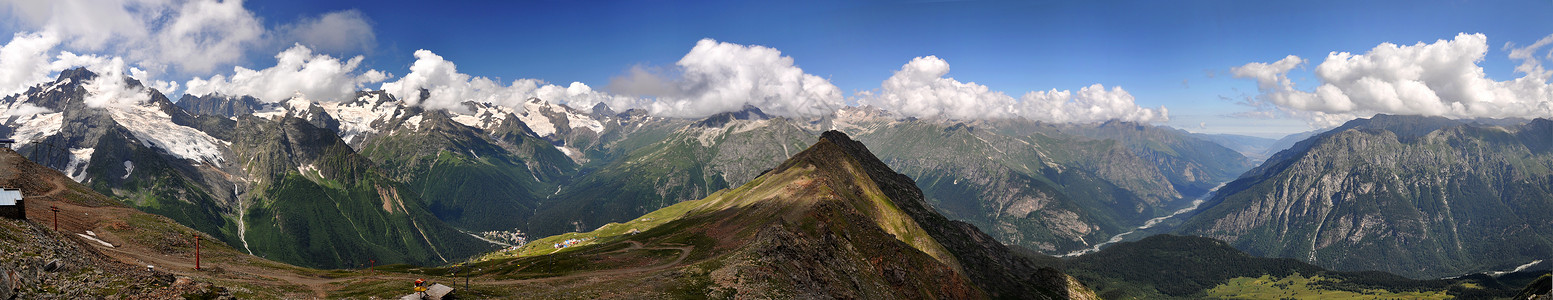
x=1203, y=66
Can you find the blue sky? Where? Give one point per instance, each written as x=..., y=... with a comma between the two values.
x=1164, y=53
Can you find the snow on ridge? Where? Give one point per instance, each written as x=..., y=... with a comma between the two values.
x=36, y=127
x=156, y=129
x=534, y=114
x=30, y=122
x=356, y=117
x=299, y=107
x=485, y=116
x=536, y=120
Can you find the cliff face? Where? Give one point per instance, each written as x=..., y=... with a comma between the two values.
x=1421, y=197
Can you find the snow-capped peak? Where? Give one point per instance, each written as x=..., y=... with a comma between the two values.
x=485, y=115
x=357, y=117
x=542, y=116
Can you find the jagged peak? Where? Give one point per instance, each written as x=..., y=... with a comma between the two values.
x=602, y=110
x=749, y=113
x=77, y=74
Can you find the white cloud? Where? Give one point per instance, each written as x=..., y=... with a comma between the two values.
x=296, y=70
x=919, y=89
x=1269, y=76
x=447, y=88
x=334, y=32
x=110, y=88
x=24, y=61
x=192, y=36
x=1436, y=79
x=189, y=37
x=718, y=77
x=204, y=34
x=1093, y=103
x=85, y=24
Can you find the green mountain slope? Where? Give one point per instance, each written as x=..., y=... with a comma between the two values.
x=1417, y=196
x=689, y=163
x=832, y=221
x=466, y=177
x=315, y=202
x=1192, y=165
x=1019, y=190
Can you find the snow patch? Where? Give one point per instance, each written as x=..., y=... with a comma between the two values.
x=129, y=168
x=467, y=120
x=94, y=239
x=79, y=159
x=414, y=123
x=156, y=129
x=536, y=121
x=35, y=127
x=271, y=113
x=310, y=169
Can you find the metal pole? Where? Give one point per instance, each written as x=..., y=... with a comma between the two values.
x=197, y=252
x=55, y=208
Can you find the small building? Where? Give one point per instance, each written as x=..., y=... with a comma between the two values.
x=6, y=143
x=11, y=204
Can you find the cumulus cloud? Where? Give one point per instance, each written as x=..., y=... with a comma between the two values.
x=919, y=89
x=193, y=37
x=297, y=71
x=335, y=32
x=24, y=61
x=447, y=88
x=110, y=87
x=1436, y=79
x=1093, y=103
x=718, y=77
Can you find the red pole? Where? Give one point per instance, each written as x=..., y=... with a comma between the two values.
x=196, y=252
x=55, y=208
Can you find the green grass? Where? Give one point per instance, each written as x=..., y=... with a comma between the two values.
x=1301, y=287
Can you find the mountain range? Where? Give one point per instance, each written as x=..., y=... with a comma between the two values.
x=544, y=169
x=1424, y=197
x=334, y=184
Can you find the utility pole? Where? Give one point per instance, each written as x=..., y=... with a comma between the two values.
x=55, y=208
x=197, y=252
